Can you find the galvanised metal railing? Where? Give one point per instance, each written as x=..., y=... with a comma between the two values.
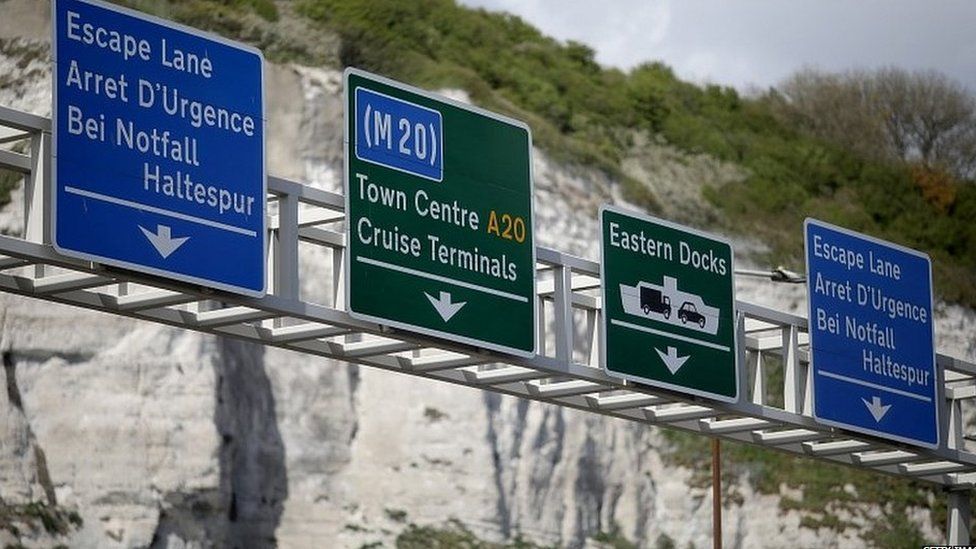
x=774, y=409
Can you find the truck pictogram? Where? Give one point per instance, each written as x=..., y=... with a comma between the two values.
x=656, y=301
x=651, y=299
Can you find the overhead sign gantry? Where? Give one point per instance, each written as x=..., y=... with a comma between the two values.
x=439, y=199
x=284, y=319
x=424, y=124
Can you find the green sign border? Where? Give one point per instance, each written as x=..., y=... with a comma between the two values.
x=480, y=343
x=606, y=317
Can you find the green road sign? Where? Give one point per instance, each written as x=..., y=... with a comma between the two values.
x=668, y=302
x=439, y=210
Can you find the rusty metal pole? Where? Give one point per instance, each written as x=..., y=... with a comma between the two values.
x=716, y=494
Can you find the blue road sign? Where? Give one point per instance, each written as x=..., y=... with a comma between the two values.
x=159, y=161
x=419, y=135
x=871, y=335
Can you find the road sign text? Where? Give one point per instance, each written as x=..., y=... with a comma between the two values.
x=871, y=335
x=439, y=212
x=159, y=143
x=687, y=255
x=668, y=305
x=399, y=134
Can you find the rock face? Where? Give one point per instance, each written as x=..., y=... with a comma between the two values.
x=165, y=438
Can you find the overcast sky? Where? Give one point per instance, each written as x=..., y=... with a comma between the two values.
x=759, y=42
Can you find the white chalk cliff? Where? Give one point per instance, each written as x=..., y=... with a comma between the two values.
x=168, y=438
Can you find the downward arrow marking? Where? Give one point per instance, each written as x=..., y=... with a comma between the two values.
x=877, y=410
x=162, y=240
x=671, y=359
x=444, y=306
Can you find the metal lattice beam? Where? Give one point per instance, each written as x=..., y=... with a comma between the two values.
x=565, y=371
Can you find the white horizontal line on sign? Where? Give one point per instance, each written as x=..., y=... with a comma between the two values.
x=687, y=339
x=874, y=386
x=160, y=211
x=415, y=272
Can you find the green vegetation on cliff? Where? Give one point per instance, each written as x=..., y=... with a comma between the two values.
x=31, y=519
x=582, y=112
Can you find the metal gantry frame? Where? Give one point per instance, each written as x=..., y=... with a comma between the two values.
x=565, y=371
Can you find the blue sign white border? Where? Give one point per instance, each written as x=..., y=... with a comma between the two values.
x=440, y=143
x=347, y=254
x=53, y=185
x=938, y=397
x=606, y=319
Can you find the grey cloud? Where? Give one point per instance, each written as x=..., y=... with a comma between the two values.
x=759, y=42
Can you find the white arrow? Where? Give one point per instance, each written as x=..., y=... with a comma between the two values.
x=162, y=240
x=444, y=306
x=876, y=409
x=671, y=359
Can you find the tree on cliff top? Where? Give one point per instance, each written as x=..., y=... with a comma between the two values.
x=920, y=117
